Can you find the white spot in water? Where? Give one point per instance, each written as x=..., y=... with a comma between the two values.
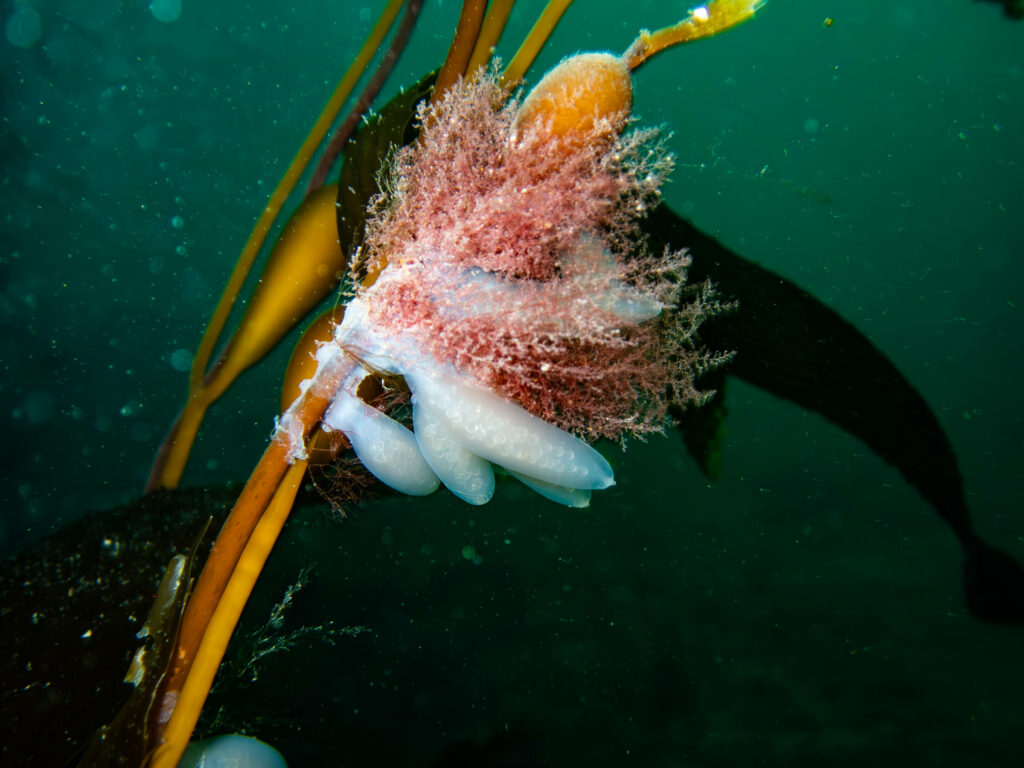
x=167, y=11
x=181, y=360
x=24, y=27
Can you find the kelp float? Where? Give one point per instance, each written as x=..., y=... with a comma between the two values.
x=518, y=289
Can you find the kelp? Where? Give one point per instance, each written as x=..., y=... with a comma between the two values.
x=793, y=346
x=77, y=600
x=784, y=341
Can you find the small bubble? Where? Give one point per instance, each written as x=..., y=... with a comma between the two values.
x=181, y=360
x=177, y=222
x=167, y=11
x=468, y=552
x=180, y=249
x=24, y=27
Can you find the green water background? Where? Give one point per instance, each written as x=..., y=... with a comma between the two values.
x=876, y=162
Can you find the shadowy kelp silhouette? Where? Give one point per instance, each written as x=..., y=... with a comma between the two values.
x=790, y=344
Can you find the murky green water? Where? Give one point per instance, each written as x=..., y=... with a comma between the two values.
x=803, y=610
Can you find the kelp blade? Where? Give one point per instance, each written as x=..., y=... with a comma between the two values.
x=790, y=344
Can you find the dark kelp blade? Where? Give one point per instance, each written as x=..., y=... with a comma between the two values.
x=77, y=600
x=124, y=741
x=793, y=346
x=394, y=126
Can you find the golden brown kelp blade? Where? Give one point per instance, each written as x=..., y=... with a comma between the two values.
x=467, y=30
x=793, y=346
x=205, y=385
x=534, y=42
x=497, y=15
x=302, y=269
x=702, y=22
x=284, y=187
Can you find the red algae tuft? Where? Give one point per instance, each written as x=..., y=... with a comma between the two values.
x=519, y=263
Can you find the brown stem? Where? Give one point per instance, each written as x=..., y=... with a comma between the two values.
x=490, y=32
x=380, y=76
x=466, y=33
x=237, y=529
